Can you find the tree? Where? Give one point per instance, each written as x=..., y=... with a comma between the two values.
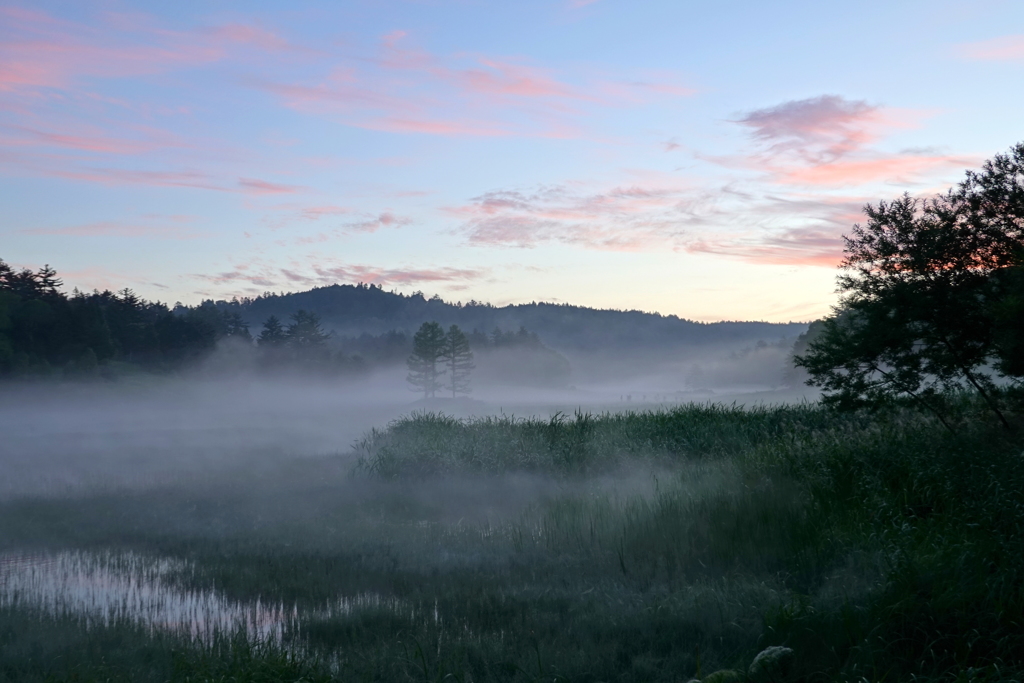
x=923, y=286
x=234, y=326
x=305, y=334
x=1007, y=311
x=49, y=283
x=427, y=349
x=307, y=340
x=458, y=358
x=273, y=334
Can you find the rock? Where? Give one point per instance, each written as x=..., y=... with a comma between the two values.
x=771, y=664
x=724, y=676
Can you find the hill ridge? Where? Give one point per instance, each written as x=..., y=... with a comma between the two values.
x=366, y=308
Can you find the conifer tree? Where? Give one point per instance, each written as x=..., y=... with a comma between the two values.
x=458, y=358
x=425, y=362
x=273, y=333
x=307, y=340
x=305, y=333
x=234, y=326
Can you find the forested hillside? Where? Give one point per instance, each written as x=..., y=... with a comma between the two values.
x=341, y=329
x=355, y=309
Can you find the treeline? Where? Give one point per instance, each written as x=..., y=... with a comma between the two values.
x=355, y=309
x=45, y=332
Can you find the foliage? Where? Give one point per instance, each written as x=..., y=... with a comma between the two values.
x=273, y=334
x=458, y=359
x=928, y=296
x=45, y=332
x=366, y=308
x=427, y=356
x=1005, y=310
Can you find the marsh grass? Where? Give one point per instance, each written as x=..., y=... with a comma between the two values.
x=648, y=546
x=435, y=443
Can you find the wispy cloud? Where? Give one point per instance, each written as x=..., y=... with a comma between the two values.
x=90, y=139
x=829, y=141
x=59, y=122
x=818, y=129
x=71, y=167
x=383, y=220
x=1001, y=49
x=904, y=169
x=623, y=218
x=171, y=227
x=807, y=246
x=41, y=51
x=315, y=213
x=404, y=89
x=255, y=186
x=785, y=229
x=317, y=273
x=396, y=276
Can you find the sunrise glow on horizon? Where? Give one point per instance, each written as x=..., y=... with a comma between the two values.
x=701, y=161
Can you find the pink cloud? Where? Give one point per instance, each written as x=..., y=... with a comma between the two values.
x=315, y=274
x=807, y=246
x=239, y=275
x=1001, y=49
x=384, y=220
x=120, y=176
x=434, y=127
x=504, y=79
x=256, y=186
x=47, y=65
x=69, y=168
x=38, y=50
x=319, y=238
x=91, y=140
x=314, y=213
x=624, y=218
x=826, y=141
x=245, y=34
x=904, y=169
x=820, y=128
x=408, y=90
x=120, y=229
x=396, y=276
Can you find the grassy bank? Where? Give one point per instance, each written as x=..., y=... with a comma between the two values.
x=652, y=546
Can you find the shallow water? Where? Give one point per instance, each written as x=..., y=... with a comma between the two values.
x=104, y=589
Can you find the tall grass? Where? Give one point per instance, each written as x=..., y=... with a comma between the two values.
x=435, y=443
x=646, y=546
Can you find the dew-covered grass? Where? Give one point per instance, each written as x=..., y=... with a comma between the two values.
x=643, y=546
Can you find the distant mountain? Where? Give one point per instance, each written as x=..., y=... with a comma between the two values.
x=356, y=309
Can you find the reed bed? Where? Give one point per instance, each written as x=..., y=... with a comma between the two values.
x=644, y=546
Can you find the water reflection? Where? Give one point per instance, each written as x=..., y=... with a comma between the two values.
x=103, y=589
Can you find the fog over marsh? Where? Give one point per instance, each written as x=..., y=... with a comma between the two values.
x=70, y=438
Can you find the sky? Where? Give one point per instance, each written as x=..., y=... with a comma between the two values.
x=695, y=159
